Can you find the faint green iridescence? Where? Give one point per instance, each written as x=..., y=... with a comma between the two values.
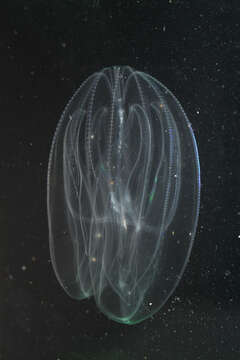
x=153, y=192
x=151, y=197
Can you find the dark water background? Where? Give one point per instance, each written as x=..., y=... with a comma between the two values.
x=47, y=48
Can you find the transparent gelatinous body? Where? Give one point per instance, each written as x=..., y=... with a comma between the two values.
x=123, y=194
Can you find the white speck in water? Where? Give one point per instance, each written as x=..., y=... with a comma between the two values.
x=227, y=273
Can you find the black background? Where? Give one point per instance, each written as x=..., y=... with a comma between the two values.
x=47, y=48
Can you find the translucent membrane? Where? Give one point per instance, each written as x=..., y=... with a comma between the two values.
x=123, y=194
